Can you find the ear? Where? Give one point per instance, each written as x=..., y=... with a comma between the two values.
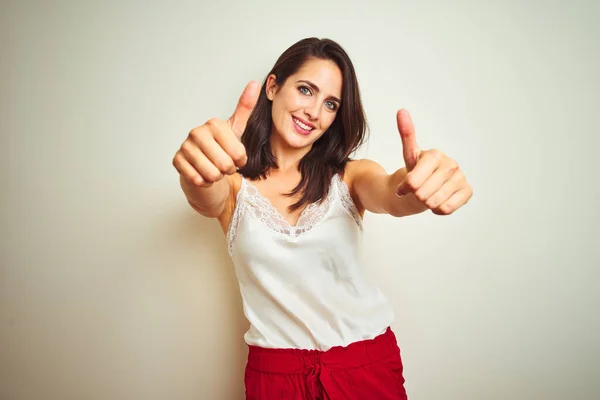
x=271, y=86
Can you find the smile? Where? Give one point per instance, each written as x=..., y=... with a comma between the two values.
x=303, y=126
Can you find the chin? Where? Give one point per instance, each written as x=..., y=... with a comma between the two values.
x=298, y=141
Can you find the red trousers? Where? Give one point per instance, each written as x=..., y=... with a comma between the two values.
x=365, y=370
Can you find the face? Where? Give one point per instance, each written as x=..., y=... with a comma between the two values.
x=307, y=103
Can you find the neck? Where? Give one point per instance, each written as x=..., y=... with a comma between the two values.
x=288, y=158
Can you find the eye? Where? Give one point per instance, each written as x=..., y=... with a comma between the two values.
x=331, y=105
x=305, y=90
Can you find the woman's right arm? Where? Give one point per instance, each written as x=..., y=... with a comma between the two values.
x=211, y=154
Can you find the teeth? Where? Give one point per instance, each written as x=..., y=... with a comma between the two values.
x=303, y=126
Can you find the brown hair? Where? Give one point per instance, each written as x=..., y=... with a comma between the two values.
x=330, y=153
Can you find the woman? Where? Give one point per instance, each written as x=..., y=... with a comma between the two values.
x=278, y=177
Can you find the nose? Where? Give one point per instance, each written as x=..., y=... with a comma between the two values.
x=312, y=110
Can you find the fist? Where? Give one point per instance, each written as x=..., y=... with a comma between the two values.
x=214, y=149
x=432, y=177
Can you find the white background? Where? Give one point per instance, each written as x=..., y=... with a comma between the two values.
x=111, y=287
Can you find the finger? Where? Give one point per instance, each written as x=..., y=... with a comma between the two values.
x=217, y=156
x=410, y=149
x=233, y=147
x=443, y=192
x=245, y=105
x=457, y=200
x=205, y=168
x=433, y=184
x=427, y=165
x=186, y=170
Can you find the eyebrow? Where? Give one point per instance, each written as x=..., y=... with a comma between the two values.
x=316, y=89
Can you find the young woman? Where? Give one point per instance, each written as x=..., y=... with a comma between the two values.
x=278, y=177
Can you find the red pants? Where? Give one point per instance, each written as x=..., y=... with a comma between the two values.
x=365, y=370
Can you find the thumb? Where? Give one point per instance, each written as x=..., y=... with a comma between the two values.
x=410, y=149
x=246, y=103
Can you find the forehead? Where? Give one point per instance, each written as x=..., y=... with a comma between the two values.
x=323, y=73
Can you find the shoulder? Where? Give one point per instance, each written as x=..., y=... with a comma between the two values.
x=353, y=172
x=360, y=175
x=357, y=169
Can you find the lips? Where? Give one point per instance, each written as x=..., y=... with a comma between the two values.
x=302, y=126
x=309, y=125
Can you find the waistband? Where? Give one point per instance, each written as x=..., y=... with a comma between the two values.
x=291, y=361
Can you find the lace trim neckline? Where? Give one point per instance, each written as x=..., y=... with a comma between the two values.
x=249, y=199
x=264, y=209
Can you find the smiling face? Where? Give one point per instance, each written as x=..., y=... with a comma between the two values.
x=306, y=105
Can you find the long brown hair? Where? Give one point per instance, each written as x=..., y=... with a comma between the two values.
x=330, y=153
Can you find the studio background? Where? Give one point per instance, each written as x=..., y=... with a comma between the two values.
x=111, y=287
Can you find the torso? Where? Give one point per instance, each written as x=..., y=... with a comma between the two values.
x=302, y=276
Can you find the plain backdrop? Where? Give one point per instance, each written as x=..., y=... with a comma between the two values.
x=111, y=287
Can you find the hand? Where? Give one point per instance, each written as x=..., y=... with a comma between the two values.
x=214, y=149
x=433, y=178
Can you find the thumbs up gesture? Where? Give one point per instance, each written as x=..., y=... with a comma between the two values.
x=214, y=149
x=432, y=178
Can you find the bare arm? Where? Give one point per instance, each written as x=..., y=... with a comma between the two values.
x=211, y=154
x=430, y=180
x=375, y=190
x=208, y=201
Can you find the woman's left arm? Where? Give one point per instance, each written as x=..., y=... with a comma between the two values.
x=430, y=181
